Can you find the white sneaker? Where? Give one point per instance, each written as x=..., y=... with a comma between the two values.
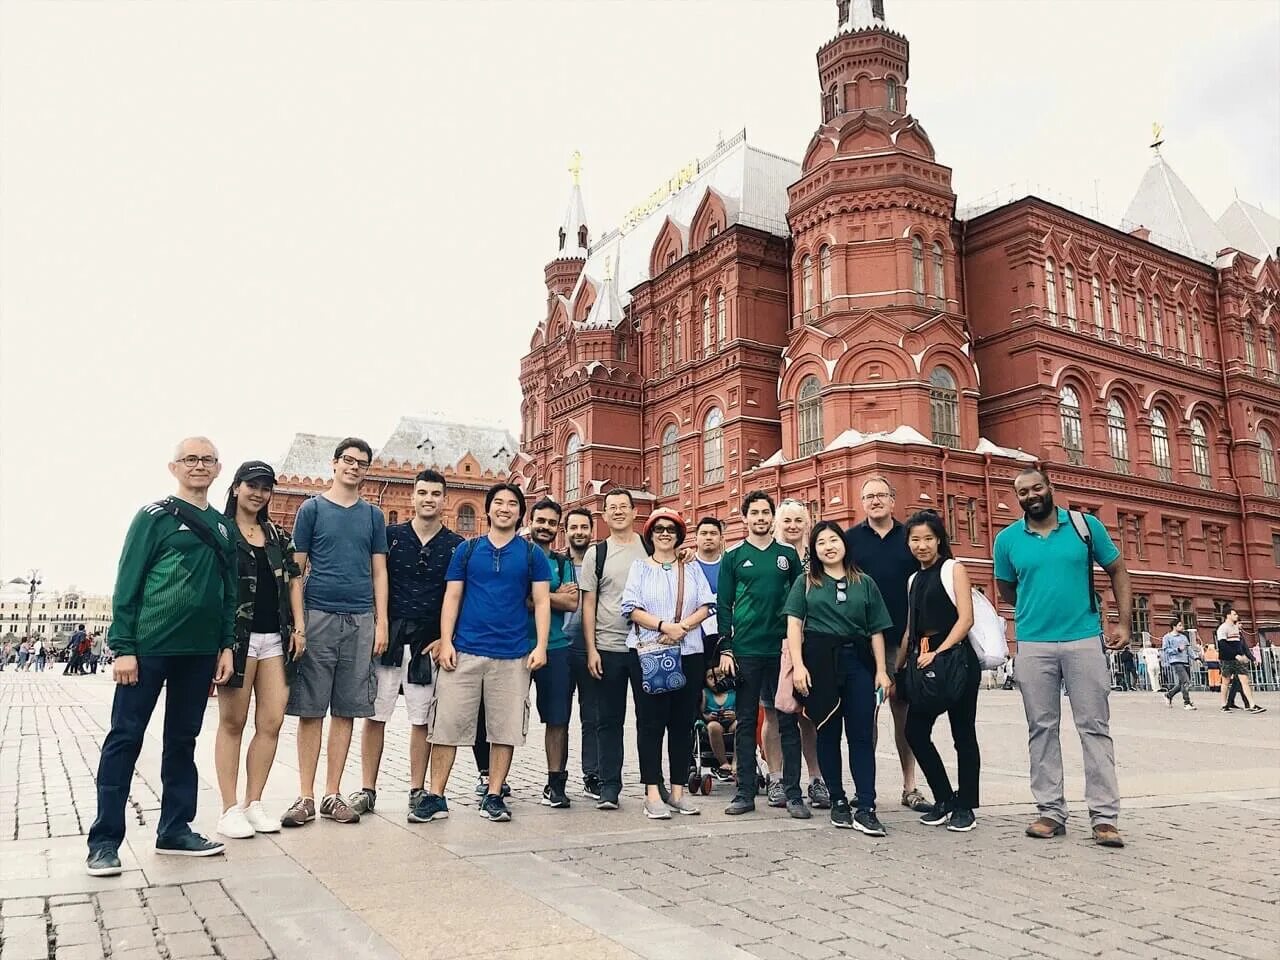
x=260, y=820
x=234, y=825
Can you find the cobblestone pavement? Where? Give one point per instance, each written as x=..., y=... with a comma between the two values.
x=1199, y=877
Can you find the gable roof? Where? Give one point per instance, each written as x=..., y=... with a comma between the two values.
x=420, y=441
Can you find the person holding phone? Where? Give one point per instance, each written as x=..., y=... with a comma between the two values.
x=836, y=618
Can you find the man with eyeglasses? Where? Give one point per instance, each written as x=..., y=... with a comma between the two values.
x=418, y=555
x=174, y=609
x=341, y=547
x=879, y=547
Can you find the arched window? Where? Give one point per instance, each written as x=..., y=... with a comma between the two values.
x=939, y=278
x=1200, y=453
x=806, y=284
x=1250, y=346
x=1180, y=328
x=1197, y=335
x=891, y=85
x=824, y=275
x=713, y=447
x=666, y=349
x=393, y=516
x=1157, y=321
x=1113, y=292
x=1069, y=288
x=1118, y=436
x=809, y=416
x=917, y=268
x=670, y=462
x=944, y=405
x=1269, y=350
x=831, y=103
x=572, y=468
x=466, y=519
x=1141, y=318
x=1051, y=290
x=1160, y=445
x=678, y=349
x=582, y=237
x=721, y=326
x=1267, y=464
x=707, y=330
x=1095, y=286
x=1072, y=425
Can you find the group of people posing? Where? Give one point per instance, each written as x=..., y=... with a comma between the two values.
x=789, y=640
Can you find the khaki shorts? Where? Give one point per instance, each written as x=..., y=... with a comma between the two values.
x=503, y=686
x=417, y=697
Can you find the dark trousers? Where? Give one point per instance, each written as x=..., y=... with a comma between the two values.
x=1235, y=689
x=855, y=684
x=186, y=683
x=758, y=681
x=672, y=714
x=588, y=711
x=1181, y=682
x=621, y=671
x=919, y=731
x=1129, y=677
x=73, y=664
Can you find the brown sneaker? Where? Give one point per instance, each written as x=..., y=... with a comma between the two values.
x=302, y=811
x=335, y=807
x=1044, y=828
x=1106, y=835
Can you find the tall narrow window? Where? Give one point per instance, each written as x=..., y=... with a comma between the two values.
x=944, y=404
x=1200, y=453
x=1072, y=425
x=1095, y=287
x=917, y=268
x=1250, y=346
x=1267, y=463
x=670, y=461
x=892, y=86
x=806, y=282
x=1269, y=349
x=1197, y=335
x=1180, y=328
x=1157, y=322
x=1141, y=620
x=809, y=416
x=824, y=276
x=1160, y=445
x=1114, y=294
x=1141, y=319
x=572, y=467
x=1069, y=289
x=721, y=326
x=1051, y=291
x=466, y=519
x=707, y=330
x=1118, y=436
x=939, y=278
x=666, y=349
x=678, y=347
x=713, y=447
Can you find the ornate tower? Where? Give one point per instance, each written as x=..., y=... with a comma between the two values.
x=574, y=239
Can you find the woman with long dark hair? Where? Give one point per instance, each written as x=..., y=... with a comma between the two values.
x=939, y=618
x=836, y=620
x=269, y=639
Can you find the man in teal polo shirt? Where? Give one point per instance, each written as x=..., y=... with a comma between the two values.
x=1044, y=569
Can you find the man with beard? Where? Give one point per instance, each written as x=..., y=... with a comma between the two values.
x=553, y=682
x=578, y=524
x=1044, y=569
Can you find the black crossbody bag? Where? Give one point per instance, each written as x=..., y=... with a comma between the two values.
x=182, y=511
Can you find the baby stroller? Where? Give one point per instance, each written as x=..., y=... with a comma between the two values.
x=702, y=762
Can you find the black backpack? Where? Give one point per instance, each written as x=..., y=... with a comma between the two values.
x=602, y=552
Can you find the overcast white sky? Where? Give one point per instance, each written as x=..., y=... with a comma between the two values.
x=258, y=218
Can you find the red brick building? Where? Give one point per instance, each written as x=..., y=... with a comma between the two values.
x=797, y=327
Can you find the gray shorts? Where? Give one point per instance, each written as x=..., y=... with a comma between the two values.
x=336, y=675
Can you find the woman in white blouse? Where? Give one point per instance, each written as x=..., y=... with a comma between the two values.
x=650, y=599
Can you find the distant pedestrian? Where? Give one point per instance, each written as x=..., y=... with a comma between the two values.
x=1234, y=661
x=41, y=655
x=1175, y=654
x=1128, y=669
x=74, y=658
x=1044, y=569
x=174, y=607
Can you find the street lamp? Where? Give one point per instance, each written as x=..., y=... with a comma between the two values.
x=33, y=586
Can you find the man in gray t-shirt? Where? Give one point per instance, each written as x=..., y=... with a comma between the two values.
x=605, y=633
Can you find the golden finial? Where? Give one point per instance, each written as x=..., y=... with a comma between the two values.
x=575, y=167
x=1157, y=137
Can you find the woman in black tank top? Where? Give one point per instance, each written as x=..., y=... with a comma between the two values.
x=938, y=627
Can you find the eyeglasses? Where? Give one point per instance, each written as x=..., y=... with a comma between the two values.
x=868, y=497
x=665, y=528
x=354, y=462
x=842, y=591
x=193, y=461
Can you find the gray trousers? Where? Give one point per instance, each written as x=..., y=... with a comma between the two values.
x=1042, y=670
x=1181, y=682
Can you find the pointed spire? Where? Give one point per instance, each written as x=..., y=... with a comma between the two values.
x=574, y=237
x=607, y=311
x=1170, y=211
x=856, y=15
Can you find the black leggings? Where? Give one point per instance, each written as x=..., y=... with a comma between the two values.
x=673, y=714
x=919, y=733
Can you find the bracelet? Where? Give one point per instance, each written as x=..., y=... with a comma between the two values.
x=660, y=623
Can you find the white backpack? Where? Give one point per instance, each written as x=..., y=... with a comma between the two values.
x=987, y=636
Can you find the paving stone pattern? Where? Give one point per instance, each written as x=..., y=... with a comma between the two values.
x=194, y=921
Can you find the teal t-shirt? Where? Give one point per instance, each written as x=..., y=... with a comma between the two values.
x=556, y=638
x=1049, y=571
x=862, y=612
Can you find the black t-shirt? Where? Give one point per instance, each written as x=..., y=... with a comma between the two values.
x=416, y=571
x=933, y=614
x=266, y=598
x=889, y=562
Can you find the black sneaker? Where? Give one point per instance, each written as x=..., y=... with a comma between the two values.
x=1256, y=709
x=1226, y=709
x=591, y=787
x=841, y=815
x=868, y=823
x=429, y=807
x=103, y=861
x=553, y=794
x=492, y=808
x=962, y=821
x=608, y=800
x=189, y=844
x=937, y=816
x=740, y=805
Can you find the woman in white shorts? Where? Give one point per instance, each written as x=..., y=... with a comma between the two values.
x=267, y=647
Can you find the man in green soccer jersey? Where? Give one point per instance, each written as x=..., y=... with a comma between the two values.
x=174, y=610
x=755, y=578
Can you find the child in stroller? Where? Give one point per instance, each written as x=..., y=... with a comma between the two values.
x=719, y=715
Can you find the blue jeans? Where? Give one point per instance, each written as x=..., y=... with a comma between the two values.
x=186, y=680
x=856, y=686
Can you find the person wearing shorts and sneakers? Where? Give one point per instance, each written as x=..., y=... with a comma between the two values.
x=341, y=547
x=1234, y=661
x=418, y=555
x=484, y=650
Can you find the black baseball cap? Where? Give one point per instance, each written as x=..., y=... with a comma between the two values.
x=255, y=470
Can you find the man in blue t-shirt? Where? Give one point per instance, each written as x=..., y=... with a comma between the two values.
x=1044, y=569
x=710, y=551
x=484, y=651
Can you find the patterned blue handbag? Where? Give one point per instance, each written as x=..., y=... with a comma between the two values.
x=661, y=668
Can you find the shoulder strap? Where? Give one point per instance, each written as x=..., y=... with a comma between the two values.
x=949, y=578
x=602, y=551
x=184, y=514
x=679, y=590
x=1081, y=527
x=467, y=551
